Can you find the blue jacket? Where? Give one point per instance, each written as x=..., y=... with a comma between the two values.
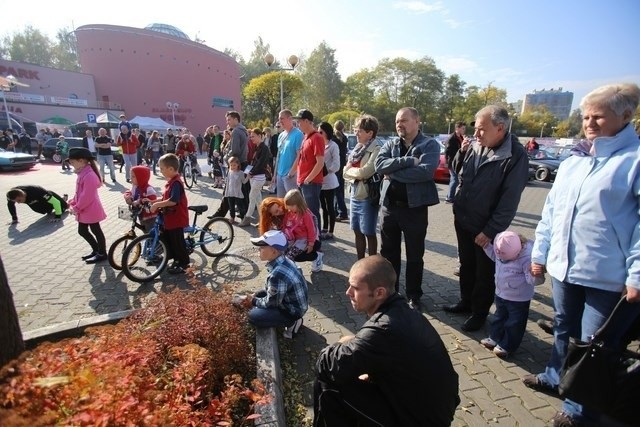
x=421, y=189
x=514, y=281
x=589, y=233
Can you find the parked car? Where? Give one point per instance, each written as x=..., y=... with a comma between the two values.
x=49, y=149
x=15, y=161
x=442, y=171
x=545, y=164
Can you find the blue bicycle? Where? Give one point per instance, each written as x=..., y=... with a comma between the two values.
x=146, y=256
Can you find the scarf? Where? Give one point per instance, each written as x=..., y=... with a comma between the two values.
x=357, y=154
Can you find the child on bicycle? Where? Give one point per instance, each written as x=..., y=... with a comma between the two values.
x=141, y=191
x=186, y=147
x=176, y=214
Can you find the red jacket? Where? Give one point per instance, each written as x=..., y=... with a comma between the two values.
x=185, y=146
x=175, y=216
x=129, y=146
x=142, y=191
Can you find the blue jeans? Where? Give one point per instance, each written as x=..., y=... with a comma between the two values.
x=269, y=317
x=341, y=207
x=311, y=194
x=108, y=160
x=453, y=184
x=509, y=323
x=576, y=308
x=284, y=184
x=154, y=159
x=130, y=160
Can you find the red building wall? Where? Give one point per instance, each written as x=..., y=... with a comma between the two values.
x=143, y=69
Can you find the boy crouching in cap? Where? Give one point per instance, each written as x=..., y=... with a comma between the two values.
x=283, y=301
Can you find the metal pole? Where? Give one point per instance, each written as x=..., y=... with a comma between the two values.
x=542, y=130
x=281, y=92
x=510, y=123
x=173, y=116
x=6, y=110
x=449, y=128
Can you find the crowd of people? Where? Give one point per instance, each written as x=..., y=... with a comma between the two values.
x=588, y=242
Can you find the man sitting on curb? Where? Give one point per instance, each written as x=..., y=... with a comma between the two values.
x=283, y=301
x=395, y=371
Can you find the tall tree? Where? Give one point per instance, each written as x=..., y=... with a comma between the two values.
x=322, y=83
x=452, y=98
x=31, y=46
x=66, y=51
x=262, y=94
x=255, y=66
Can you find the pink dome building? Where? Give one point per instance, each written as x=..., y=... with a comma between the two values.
x=159, y=72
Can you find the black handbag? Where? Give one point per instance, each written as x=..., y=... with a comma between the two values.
x=602, y=378
x=373, y=188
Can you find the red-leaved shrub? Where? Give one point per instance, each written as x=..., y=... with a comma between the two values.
x=181, y=361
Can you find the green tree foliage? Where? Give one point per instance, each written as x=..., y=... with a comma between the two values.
x=531, y=122
x=262, y=95
x=347, y=117
x=570, y=128
x=30, y=46
x=255, y=66
x=322, y=83
x=452, y=97
x=65, y=51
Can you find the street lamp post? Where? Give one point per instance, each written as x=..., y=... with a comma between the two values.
x=173, y=106
x=513, y=117
x=6, y=83
x=450, y=121
x=293, y=61
x=542, y=129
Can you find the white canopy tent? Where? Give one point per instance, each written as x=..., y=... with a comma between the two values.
x=151, y=123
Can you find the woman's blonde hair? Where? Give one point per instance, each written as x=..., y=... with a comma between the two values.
x=295, y=198
x=619, y=98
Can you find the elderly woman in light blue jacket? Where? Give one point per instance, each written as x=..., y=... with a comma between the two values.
x=588, y=239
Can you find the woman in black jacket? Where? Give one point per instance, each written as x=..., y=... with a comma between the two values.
x=257, y=171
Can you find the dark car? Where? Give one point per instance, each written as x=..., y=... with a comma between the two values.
x=545, y=165
x=49, y=149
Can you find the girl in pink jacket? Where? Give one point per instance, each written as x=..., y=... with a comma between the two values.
x=86, y=205
x=298, y=225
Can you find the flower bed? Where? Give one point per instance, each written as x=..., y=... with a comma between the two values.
x=184, y=360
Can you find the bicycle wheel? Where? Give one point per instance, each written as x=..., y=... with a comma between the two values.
x=117, y=250
x=151, y=259
x=216, y=237
x=187, y=175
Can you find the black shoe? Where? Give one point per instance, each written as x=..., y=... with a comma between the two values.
x=474, y=322
x=216, y=215
x=177, y=270
x=457, y=308
x=533, y=382
x=562, y=419
x=545, y=325
x=415, y=304
x=86, y=257
x=96, y=258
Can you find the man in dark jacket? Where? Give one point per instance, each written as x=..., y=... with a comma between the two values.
x=408, y=190
x=395, y=371
x=493, y=172
x=38, y=199
x=451, y=149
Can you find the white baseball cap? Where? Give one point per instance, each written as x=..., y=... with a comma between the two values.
x=274, y=238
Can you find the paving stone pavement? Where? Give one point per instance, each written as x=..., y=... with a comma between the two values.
x=51, y=284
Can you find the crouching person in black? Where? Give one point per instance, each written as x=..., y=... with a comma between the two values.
x=395, y=371
x=39, y=200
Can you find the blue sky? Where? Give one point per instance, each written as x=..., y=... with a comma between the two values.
x=518, y=46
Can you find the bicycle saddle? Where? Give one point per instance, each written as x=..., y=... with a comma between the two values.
x=199, y=208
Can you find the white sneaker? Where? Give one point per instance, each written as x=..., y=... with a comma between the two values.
x=488, y=343
x=292, y=330
x=318, y=264
x=500, y=352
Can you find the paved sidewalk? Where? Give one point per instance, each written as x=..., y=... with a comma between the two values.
x=51, y=285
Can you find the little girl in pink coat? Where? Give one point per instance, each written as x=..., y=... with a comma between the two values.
x=86, y=205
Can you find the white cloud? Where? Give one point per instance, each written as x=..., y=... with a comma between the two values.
x=456, y=64
x=452, y=23
x=419, y=6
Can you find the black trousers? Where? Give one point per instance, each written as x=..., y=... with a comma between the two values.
x=97, y=243
x=412, y=223
x=359, y=403
x=477, y=271
x=176, y=248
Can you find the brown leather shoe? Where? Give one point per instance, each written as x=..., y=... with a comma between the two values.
x=562, y=419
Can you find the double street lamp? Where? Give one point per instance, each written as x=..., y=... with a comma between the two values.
x=173, y=106
x=450, y=122
x=6, y=83
x=513, y=117
x=293, y=61
x=542, y=129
